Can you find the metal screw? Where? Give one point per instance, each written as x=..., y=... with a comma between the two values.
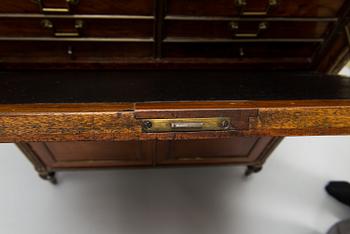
x=225, y=124
x=70, y=51
x=147, y=124
x=241, y=52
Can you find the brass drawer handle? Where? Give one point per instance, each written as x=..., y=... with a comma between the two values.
x=186, y=124
x=241, y=4
x=57, y=10
x=235, y=27
x=78, y=25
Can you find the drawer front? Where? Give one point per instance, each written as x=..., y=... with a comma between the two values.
x=124, y=7
x=53, y=27
x=236, y=150
x=245, y=29
x=71, y=51
x=298, y=8
x=95, y=154
x=238, y=50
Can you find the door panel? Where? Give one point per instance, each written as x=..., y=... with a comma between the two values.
x=236, y=150
x=95, y=154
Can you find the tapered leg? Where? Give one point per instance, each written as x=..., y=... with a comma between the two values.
x=39, y=166
x=263, y=156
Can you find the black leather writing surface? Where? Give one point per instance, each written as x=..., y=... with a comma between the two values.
x=149, y=86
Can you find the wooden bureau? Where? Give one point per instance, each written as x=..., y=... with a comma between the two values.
x=104, y=84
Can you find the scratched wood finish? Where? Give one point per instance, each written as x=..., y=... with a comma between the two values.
x=275, y=118
x=58, y=126
x=304, y=121
x=278, y=118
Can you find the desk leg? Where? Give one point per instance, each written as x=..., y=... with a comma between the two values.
x=39, y=166
x=255, y=168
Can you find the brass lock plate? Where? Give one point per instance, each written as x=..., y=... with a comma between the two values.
x=186, y=124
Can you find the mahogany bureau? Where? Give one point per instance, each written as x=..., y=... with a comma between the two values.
x=148, y=83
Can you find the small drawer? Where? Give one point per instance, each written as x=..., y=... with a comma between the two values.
x=297, y=8
x=72, y=51
x=264, y=50
x=246, y=29
x=119, y=7
x=77, y=27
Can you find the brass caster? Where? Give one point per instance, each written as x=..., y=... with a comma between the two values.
x=252, y=169
x=49, y=176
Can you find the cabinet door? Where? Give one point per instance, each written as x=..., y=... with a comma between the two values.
x=94, y=154
x=236, y=150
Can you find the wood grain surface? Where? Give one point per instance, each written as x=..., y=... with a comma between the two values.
x=44, y=122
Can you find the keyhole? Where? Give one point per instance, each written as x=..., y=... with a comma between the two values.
x=241, y=52
x=70, y=52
